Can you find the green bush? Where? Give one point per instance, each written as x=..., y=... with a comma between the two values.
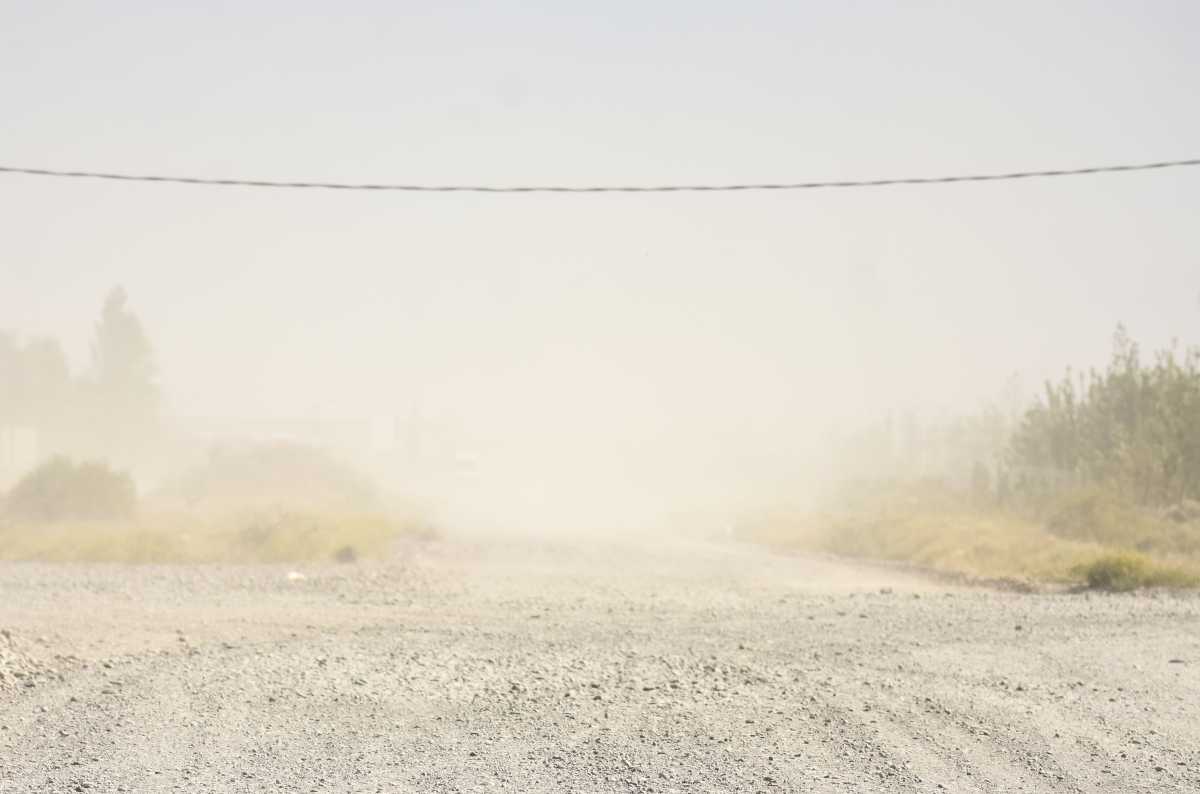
x=62, y=490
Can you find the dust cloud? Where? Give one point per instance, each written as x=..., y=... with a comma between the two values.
x=542, y=375
x=572, y=363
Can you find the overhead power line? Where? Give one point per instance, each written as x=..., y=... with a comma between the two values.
x=853, y=183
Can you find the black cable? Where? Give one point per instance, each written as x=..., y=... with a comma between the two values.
x=854, y=183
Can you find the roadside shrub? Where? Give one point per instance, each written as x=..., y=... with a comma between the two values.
x=1094, y=514
x=273, y=477
x=1185, y=512
x=1124, y=571
x=1097, y=514
x=62, y=490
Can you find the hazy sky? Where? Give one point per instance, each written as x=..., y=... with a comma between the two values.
x=610, y=320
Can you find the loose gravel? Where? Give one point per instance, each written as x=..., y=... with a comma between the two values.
x=586, y=666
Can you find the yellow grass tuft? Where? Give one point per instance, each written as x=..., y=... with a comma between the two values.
x=932, y=528
x=278, y=537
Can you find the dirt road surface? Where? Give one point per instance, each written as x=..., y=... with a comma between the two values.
x=617, y=666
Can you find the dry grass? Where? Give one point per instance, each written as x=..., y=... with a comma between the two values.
x=932, y=528
x=1102, y=516
x=257, y=502
x=277, y=537
x=1122, y=571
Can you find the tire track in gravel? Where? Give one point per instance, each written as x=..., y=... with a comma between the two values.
x=625, y=667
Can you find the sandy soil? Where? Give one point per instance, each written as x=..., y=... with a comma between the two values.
x=619, y=666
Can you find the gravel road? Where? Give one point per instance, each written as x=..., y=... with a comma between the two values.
x=586, y=666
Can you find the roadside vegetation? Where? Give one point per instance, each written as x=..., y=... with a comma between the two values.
x=931, y=525
x=253, y=502
x=160, y=538
x=1096, y=483
x=63, y=490
x=258, y=503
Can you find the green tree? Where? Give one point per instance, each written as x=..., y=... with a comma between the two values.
x=124, y=379
x=1133, y=428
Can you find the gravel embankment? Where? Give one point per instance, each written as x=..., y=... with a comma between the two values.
x=534, y=666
